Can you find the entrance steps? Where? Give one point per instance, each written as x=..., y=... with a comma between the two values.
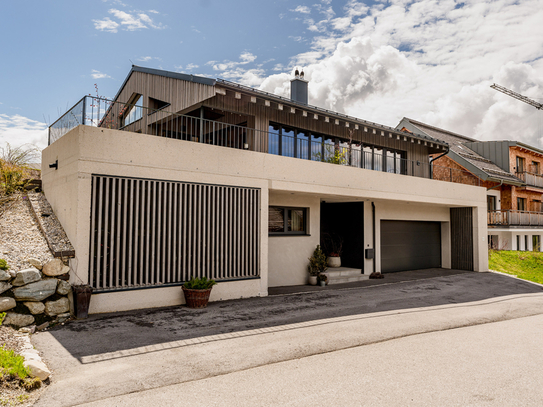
x=340, y=275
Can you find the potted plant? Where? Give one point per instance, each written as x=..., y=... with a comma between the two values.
x=317, y=265
x=197, y=291
x=334, y=246
x=323, y=279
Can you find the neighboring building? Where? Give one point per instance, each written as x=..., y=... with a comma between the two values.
x=512, y=173
x=187, y=176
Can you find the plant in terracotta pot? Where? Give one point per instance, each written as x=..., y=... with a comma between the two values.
x=317, y=265
x=197, y=291
x=334, y=247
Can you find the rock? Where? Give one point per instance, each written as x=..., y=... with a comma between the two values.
x=41, y=327
x=37, y=291
x=4, y=286
x=12, y=273
x=63, y=287
x=37, y=369
x=7, y=303
x=35, y=307
x=64, y=317
x=27, y=276
x=28, y=329
x=5, y=275
x=18, y=320
x=57, y=307
x=35, y=262
x=30, y=355
x=54, y=268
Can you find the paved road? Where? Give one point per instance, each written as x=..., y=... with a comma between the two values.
x=114, y=355
x=494, y=364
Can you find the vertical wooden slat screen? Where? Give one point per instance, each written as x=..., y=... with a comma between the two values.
x=148, y=233
x=462, y=238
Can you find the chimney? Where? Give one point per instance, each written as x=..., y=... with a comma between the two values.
x=298, y=88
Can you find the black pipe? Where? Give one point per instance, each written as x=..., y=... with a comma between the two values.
x=373, y=217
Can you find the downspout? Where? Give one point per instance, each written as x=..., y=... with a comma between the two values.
x=373, y=219
x=432, y=161
x=496, y=186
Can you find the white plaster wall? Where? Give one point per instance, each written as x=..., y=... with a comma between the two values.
x=287, y=263
x=88, y=150
x=496, y=193
x=507, y=239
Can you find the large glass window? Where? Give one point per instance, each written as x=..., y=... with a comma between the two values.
x=368, y=157
x=273, y=139
x=287, y=221
x=520, y=164
x=316, y=147
x=287, y=144
x=302, y=144
x=378, y=159
x=135, y=112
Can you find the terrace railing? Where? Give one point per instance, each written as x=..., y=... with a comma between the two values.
x=531, y=179
x=514, y=218
x=99, y=112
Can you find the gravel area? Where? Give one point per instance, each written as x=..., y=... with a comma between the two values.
x=20, y=236
x=54, y=231
x=11, y=339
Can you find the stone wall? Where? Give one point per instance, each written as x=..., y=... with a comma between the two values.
x=36, y=296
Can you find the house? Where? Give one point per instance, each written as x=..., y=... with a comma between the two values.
x=511, y=172
x=183, y=176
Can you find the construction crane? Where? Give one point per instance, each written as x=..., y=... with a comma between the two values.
x=518, y=96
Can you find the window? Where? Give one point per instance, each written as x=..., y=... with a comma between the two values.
x=135, y=111
x=536, y=206
x=518, y=242
x=491, y=202
x=521, y=204
x=287, y=221
x=525, y=242
x=535, y=167
x=520, y=164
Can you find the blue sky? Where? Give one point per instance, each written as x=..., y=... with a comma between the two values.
x=380, y=61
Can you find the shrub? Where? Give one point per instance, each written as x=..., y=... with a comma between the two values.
x=2, y=316
x=12, y=364
x=317, y=262
x=199, y=283
x=3, y=265
x=14, y=170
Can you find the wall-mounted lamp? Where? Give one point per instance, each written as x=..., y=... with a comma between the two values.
x=54, y=165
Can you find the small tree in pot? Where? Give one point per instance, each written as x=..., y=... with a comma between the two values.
x=317, y=265
x=197, y=291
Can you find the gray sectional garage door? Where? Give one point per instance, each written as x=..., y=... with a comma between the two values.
x=410, y=245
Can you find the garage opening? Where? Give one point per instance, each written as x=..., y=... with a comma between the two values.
x=410, y=245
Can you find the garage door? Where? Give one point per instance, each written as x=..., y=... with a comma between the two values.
x=410, y=245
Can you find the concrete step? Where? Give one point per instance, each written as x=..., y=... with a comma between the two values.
x=340, y=275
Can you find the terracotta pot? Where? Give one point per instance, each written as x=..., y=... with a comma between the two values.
x=196, y=298
x=82, y=295
x=313, y=280
x=334, y=262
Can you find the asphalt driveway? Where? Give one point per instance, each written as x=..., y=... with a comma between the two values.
x=113, y=354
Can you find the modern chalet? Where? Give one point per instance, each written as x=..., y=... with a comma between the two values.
x=181, y=176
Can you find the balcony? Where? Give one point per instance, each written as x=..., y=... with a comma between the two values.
x=514, y=218
x=228, y=132
x=531, y=179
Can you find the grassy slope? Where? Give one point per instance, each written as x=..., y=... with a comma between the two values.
x=525, y=265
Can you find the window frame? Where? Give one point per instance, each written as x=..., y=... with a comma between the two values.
x=133, y=107
x=286, y=232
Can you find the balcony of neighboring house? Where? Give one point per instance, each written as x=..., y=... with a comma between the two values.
x=531, y=179
x=506, y=218
x=233, y=130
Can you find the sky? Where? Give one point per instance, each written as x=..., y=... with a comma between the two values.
x=380, y=61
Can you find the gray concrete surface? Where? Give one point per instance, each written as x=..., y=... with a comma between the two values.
x=494, y=364
x=117, y=354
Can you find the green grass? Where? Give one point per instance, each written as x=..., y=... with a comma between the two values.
x=12, y=365
x=525, y=265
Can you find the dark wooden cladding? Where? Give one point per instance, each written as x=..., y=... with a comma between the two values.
x=263, y=115
x=462, y=238
x=148, y=233
x=178, y=93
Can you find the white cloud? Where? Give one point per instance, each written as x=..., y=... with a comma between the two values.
x=128, y=21
x=245, y=58
x=148, y=58
x=106, y=24
x=18, y=130
x=432, y=61
x=190, y=67
x=302, y=9
x=99, y=75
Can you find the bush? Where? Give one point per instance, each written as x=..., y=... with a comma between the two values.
x=199, y=283
x=3, y=265
x=317, y=262
x=14, y=170
x=12, y=364
x=2, y=316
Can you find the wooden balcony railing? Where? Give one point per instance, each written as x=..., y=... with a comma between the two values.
x=514, y=218
x=531, y=179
